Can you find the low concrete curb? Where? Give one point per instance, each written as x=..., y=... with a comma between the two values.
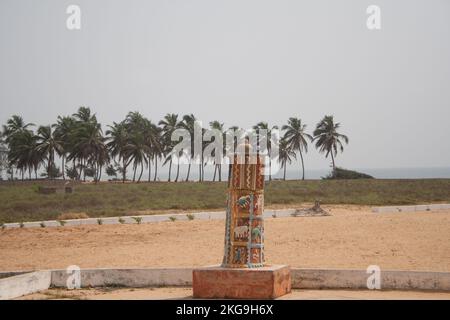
x=422, y=207
x=23, y=284
x=357, y=279
x=27, y=283
x=215, y=215
x=151, y=277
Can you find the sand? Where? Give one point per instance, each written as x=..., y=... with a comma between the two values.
x=352, y=237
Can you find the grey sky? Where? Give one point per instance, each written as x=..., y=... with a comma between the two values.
x=241, y=61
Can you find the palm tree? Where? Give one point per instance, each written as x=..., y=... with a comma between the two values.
x=23, y=152
x=87, y=141
x=285, y=155
x=14, y=125
x=169, y=125
x=296, y=138
x=328, y=139
x=157, y=148
x=265, y=126
x=64, y=127
x=48, y=144
x=19, y=140
x=117, y=140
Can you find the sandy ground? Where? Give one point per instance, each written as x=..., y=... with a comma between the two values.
x=353, y=237
x=186, y=293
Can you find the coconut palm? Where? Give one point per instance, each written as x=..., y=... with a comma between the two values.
x=169, y=124
x=117, y=140
x=188, y=124
x=19, y=138
x=64, y=127
x=296, y=138
x=48, y=144
x=328, y=139
x=87, y=141
x=285, y=155
x=23, y=152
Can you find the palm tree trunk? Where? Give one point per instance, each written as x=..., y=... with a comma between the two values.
x=100, y=173
x=48, y=168
x=270, y=169
x=284, y=174
x=156, y=168
x=149, y=168
x=134, y=175
x=220, y=172
x=200, y=172
x=142, y=170
x=178, y=170
x=62, y=167
x=124, y=170
x=215, y=170
x=189, y=171
x=332, y=159
x=170, y=169
x=303, y=166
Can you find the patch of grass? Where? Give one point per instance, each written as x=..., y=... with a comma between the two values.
x=99, y=221
x=121, y=221
x=138, y=219
x=20, y=202
x=190, y=216
x=62, y=222
x=172, y=218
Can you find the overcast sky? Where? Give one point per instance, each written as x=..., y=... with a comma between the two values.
x=240, y=62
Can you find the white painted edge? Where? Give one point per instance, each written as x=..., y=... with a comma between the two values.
x=214, y=215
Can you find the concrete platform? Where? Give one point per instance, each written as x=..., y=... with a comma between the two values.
x=267, y=282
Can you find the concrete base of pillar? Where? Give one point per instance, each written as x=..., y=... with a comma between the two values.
x=268, y=282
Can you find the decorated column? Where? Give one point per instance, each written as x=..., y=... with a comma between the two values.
x=243, y=273
x=244, y=227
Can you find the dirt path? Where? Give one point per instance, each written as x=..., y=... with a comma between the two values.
x=353, y=237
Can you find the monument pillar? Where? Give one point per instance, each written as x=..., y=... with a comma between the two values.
x=243, y=273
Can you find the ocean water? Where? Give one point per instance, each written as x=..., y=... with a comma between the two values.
x=291, y=174
x=294, y=174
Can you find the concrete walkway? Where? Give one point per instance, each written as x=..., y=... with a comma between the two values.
x=186, y=293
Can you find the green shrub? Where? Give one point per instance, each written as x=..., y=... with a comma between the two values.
x=21, y=225
x=122, y=221
x=172, y=218
x=138, y=219
x=61, y=223
x=100, y=221
x=340, y=173
x=190, y=216
x=42, y=224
